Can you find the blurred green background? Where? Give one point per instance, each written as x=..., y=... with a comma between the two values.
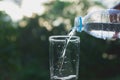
x=24, y=45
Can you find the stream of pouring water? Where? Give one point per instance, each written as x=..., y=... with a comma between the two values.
x=71, y=33
x=67, y=40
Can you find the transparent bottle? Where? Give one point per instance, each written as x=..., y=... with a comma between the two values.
x=104, y=24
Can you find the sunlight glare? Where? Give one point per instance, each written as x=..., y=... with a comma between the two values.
x=11, y=9
x=32, y=6
x=27, y=8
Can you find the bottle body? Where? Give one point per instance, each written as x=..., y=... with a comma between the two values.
x=103, y=24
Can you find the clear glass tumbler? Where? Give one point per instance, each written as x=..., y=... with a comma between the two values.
x=64, y=57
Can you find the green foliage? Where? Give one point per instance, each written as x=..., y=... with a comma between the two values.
x=24, y=50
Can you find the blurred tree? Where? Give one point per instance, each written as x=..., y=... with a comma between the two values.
x=9, y=57
x=24, y=49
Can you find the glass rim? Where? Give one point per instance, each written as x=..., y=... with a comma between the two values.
x=63, y=38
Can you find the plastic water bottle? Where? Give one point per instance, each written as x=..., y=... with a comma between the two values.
x=104, y=24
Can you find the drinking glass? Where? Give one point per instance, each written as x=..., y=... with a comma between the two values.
x=64, y=57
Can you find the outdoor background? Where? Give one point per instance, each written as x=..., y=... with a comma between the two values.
x=25, y=27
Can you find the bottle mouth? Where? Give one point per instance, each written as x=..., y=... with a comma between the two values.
x=78, y=23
